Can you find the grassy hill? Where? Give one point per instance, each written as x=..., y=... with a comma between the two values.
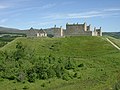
x=89, y=63
x=112, y=34
x=116, y=41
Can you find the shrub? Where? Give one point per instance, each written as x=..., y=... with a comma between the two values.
x=25, y=87
x=59, y=69
x=14, y=89
x=81, y=65
x=117, y=86
x=2, y=44
x=66, y=77
x=2, y=68
x=19, y=53
x=19, y=45
x=32, y=77
x=43, y=75
x=75, y=75
x=51, y=73
x=43, y=85
x=21, y=77
x=69, y=65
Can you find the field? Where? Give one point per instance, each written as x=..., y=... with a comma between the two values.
x=8, y=37
x=85, y=63
x=112, y=34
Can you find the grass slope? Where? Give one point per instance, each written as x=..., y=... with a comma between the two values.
x=100, y=59
x=112, y=34
x=116, y=41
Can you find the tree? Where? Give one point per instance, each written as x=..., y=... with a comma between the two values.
x=51, y=73
x=19, y=53
x=69, y=64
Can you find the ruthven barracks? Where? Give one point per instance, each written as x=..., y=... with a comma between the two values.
x=71, y=30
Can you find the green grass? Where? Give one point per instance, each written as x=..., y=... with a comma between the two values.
x=112, y=34
x=5, y=39
x=101, y=62
x=116, y=41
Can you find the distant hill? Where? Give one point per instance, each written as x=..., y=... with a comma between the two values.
x=11, y=30
x=8, y=30
x=112, y=34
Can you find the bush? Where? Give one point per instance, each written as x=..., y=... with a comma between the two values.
x=43, y=75
x=32, y=77
x=117, y=86
x=25, y=87
x=81, y=65
x=21, y=77
x=43, y=85
x=69, y=65
x=19, y=45
x=2, y=68
x=59, y=69
x=51, y=73
x=2, y=44
x=19, y=53
x=66, y=77
x=75, y=75
x=21, y=68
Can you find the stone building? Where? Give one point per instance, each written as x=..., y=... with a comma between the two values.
x=55, y=31
x=41, y=33
x=81, y=30
x=58, y=31
x=78, y=30
x=97, y=32
x=36, y=33
x=71, y=30
x=31, y=32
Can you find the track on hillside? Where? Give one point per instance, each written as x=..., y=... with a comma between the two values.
x=113, y=44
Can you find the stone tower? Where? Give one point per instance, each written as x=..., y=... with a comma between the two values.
x=58, y=31
x=97, y=32
x=85, y=26
x=89, y=28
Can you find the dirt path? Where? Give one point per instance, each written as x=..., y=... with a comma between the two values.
x=113, y=44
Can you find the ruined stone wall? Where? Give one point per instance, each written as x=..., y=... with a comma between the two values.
x=74, y=28
x=71, y=30
x=31, y=33
x=97, y=32
x=49, y=31
x=89, y=28
x=58, y=32
x=77, y=30
x=55, y=32
x=82, y=33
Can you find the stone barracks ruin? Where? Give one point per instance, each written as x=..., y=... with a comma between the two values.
x=71, y=30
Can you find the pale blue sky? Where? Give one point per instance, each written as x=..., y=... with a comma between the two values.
x=23, y=14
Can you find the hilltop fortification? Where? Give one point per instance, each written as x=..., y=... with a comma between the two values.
x=71, y=30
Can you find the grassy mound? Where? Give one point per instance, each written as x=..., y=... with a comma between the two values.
x=70, y=63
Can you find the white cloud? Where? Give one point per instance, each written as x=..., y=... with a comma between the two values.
x=34, y=8
x=85, y=14
x=89, y=14
x=112, y=9
x=41, y=23
x=74, y=15
x=48, y=6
